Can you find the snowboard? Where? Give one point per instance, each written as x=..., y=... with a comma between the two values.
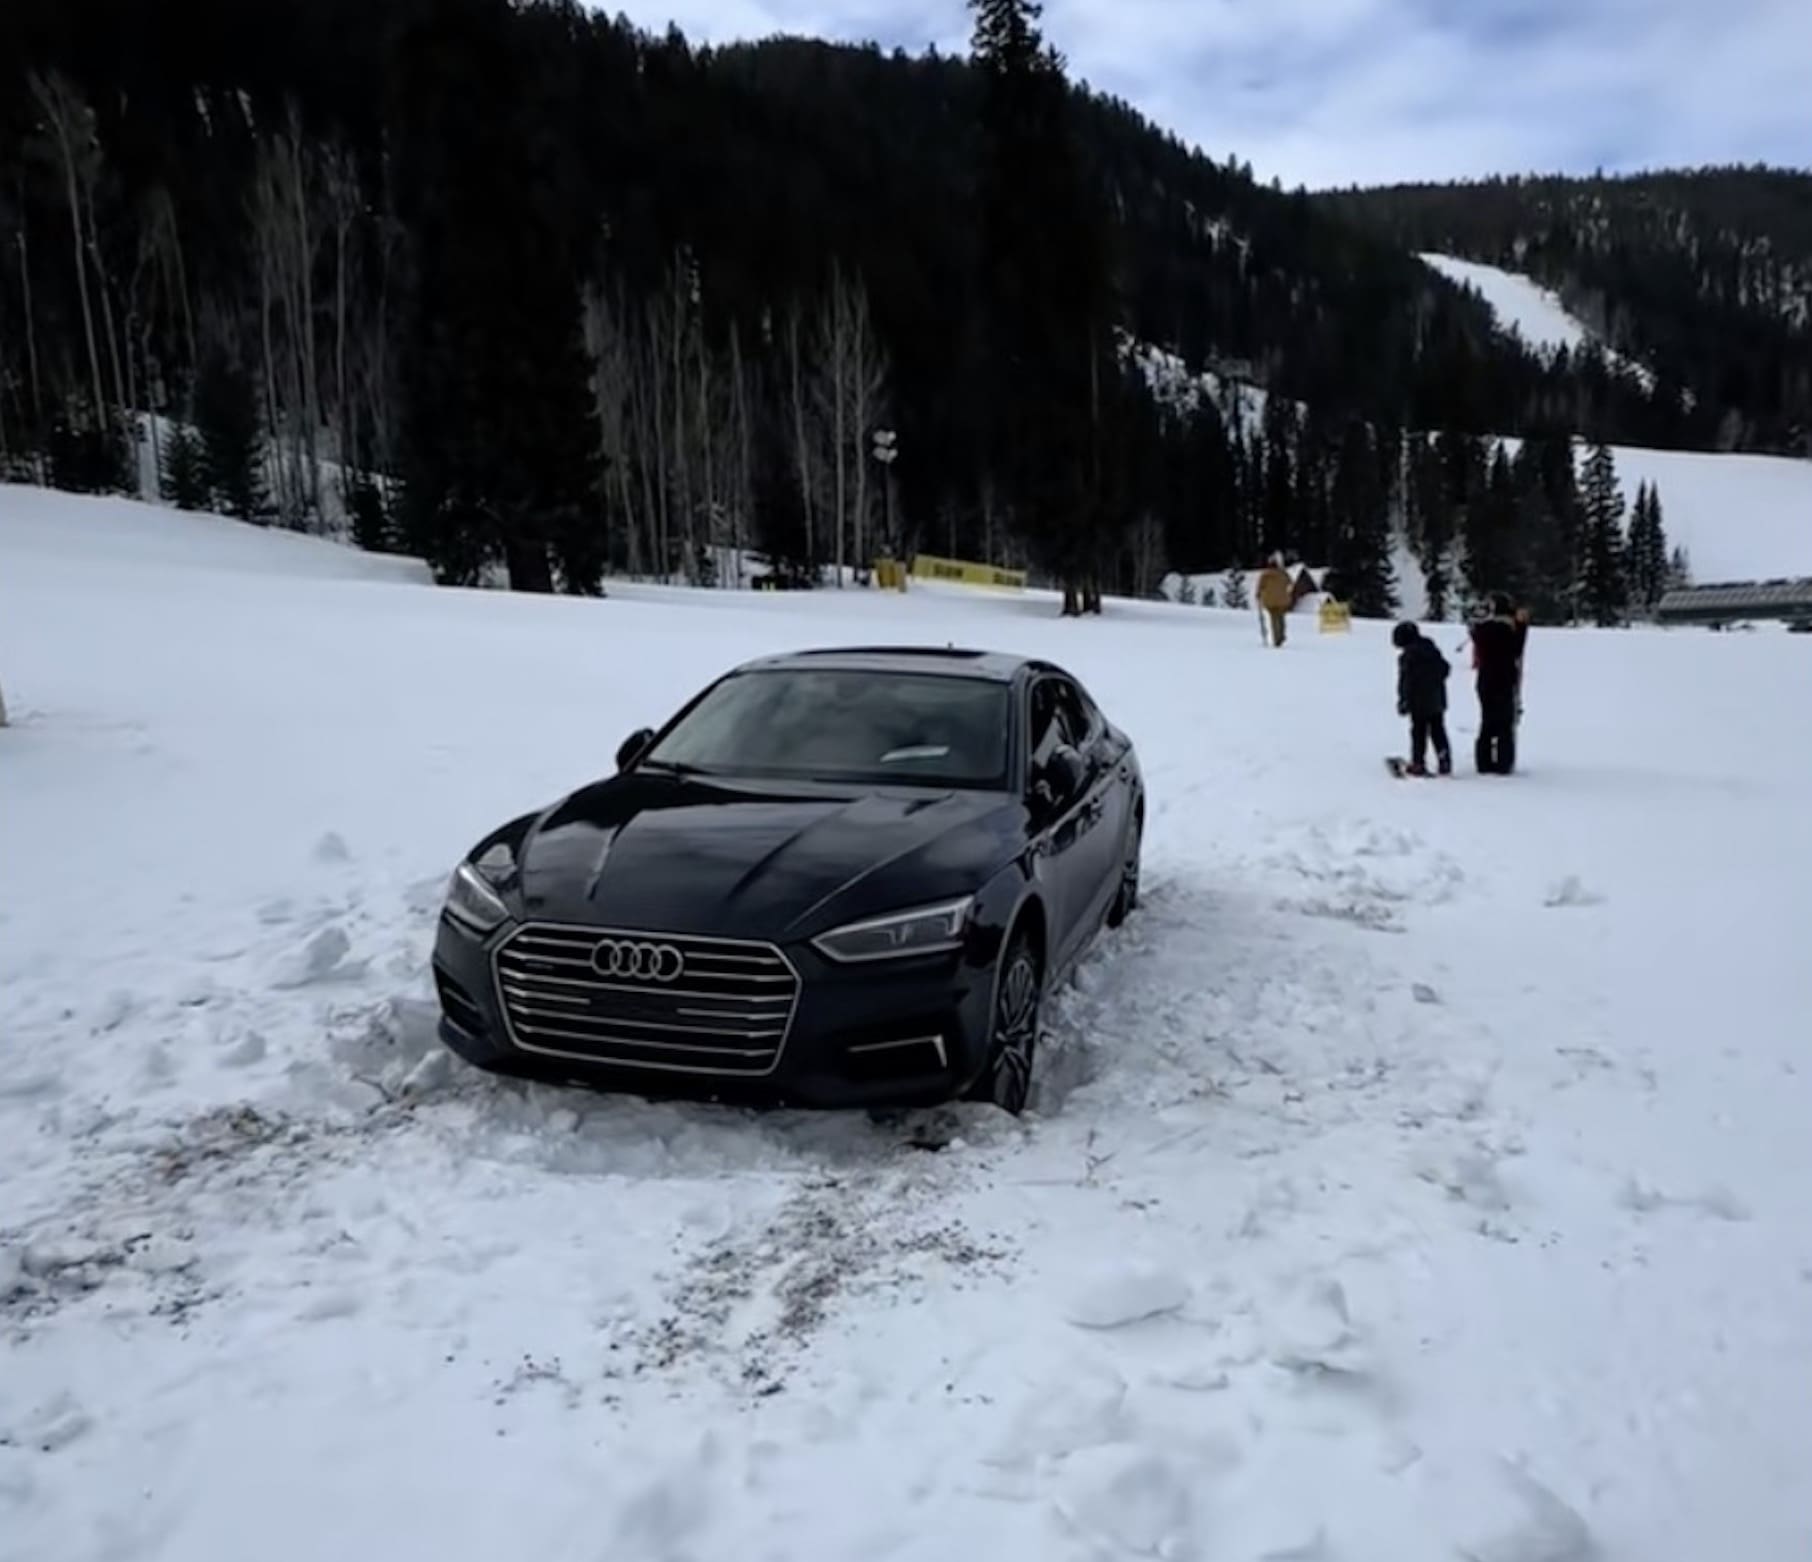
x=1400, y=769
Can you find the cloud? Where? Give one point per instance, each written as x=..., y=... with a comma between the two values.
x=1326, y=92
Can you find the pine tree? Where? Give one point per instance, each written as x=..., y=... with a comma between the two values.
x=1360, y=568
x=1278, y=512
x=1495, y=555
x=184, y=477
x=232, y=437
x=1056, y=386
x=1234, y=591
x=1679, y=570
x=1647, y=564
x=1549, y=505
x=1606, y=590
x=779, y=511
x=372, y=529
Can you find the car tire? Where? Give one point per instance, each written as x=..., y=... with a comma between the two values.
x=1126, y=898
x=1006, y=1078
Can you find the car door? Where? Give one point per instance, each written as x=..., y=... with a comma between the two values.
x=1067, y=850
x=1057, y=843
x=1103, y=814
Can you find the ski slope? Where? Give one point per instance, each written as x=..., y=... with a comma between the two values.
x=1535, y=313
x=1420, y=1176
x=1521, y=304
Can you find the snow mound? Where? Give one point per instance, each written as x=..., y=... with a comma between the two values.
x=1126, y=1296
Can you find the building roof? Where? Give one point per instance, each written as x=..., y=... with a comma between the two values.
x=1739, y=599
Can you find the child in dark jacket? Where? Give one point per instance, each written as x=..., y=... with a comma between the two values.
x=1422, y=697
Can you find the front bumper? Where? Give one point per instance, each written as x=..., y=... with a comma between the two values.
x=885, y=1033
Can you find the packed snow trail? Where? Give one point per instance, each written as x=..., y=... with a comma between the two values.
x=1419, y=1175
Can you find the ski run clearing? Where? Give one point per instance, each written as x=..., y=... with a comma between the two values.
x=1420, y=1177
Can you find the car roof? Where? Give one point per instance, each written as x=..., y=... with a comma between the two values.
x=945, y=661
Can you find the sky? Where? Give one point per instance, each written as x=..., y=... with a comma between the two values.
x=1337, y=92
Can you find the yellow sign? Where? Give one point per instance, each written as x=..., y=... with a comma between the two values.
x=965, y=573
x=1336, y=617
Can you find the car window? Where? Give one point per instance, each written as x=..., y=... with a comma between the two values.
x=904, y=729
x=1077, y=715
x=1059, y=714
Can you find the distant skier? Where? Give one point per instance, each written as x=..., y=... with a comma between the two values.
x=1422, y=697
x=1497, y=659
x=1276, y=596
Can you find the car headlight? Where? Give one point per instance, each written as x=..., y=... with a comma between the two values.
x=472, y=901
x=928, y=930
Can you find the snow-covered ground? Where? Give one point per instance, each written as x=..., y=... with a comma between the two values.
x=1422, y=1175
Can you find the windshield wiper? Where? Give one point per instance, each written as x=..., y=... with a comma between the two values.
x=672, y=767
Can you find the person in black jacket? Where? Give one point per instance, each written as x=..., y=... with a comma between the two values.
x=1422, y=697
x=1497, y=660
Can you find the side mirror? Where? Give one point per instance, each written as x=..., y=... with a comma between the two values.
x=1059, y=778
x=634, y=746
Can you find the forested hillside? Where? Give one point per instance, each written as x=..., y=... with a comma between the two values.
x=512, y=284
x=1703, y=275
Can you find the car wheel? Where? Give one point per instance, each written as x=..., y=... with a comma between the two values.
x=1126, y=900
x=1006, y=1080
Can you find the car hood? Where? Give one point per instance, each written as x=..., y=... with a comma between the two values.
x=754, y=860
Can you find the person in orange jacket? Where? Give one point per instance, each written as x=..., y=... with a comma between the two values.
x=1276, y=596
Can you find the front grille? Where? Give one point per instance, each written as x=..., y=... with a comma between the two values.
x=723, y=1006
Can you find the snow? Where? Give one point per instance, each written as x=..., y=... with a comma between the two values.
x=1533, y=312
x=1385, y=1198
x=1239, y=403
x=1740, y=517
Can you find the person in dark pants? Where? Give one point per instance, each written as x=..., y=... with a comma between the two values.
x=1497, y=662
x=1422, y=697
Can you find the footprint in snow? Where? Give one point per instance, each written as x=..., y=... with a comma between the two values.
x=247, y=1050
x=50, y=1426
x=1131, y=1498
x=1571, y=893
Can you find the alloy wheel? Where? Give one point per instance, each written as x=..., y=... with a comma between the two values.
x=1016, y=1008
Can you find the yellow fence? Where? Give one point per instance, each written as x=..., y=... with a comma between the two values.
x=963, y=572
x=1336, y=617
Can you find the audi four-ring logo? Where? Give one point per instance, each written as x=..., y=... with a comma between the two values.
x=632, y=960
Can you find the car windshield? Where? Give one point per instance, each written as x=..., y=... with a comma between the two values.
x=889, y=729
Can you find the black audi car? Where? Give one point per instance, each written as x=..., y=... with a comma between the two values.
x=836, y=878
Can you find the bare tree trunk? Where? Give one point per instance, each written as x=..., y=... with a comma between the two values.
x=658, y=422
x=31, y=330
x=120, y=397
x=345, y=417
x=273, y=409
x=706, y=434
x=838, y=368
x=61, y=107
x=744, y=456
x=681, y=467
x=304, y=322
x=799, y=430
